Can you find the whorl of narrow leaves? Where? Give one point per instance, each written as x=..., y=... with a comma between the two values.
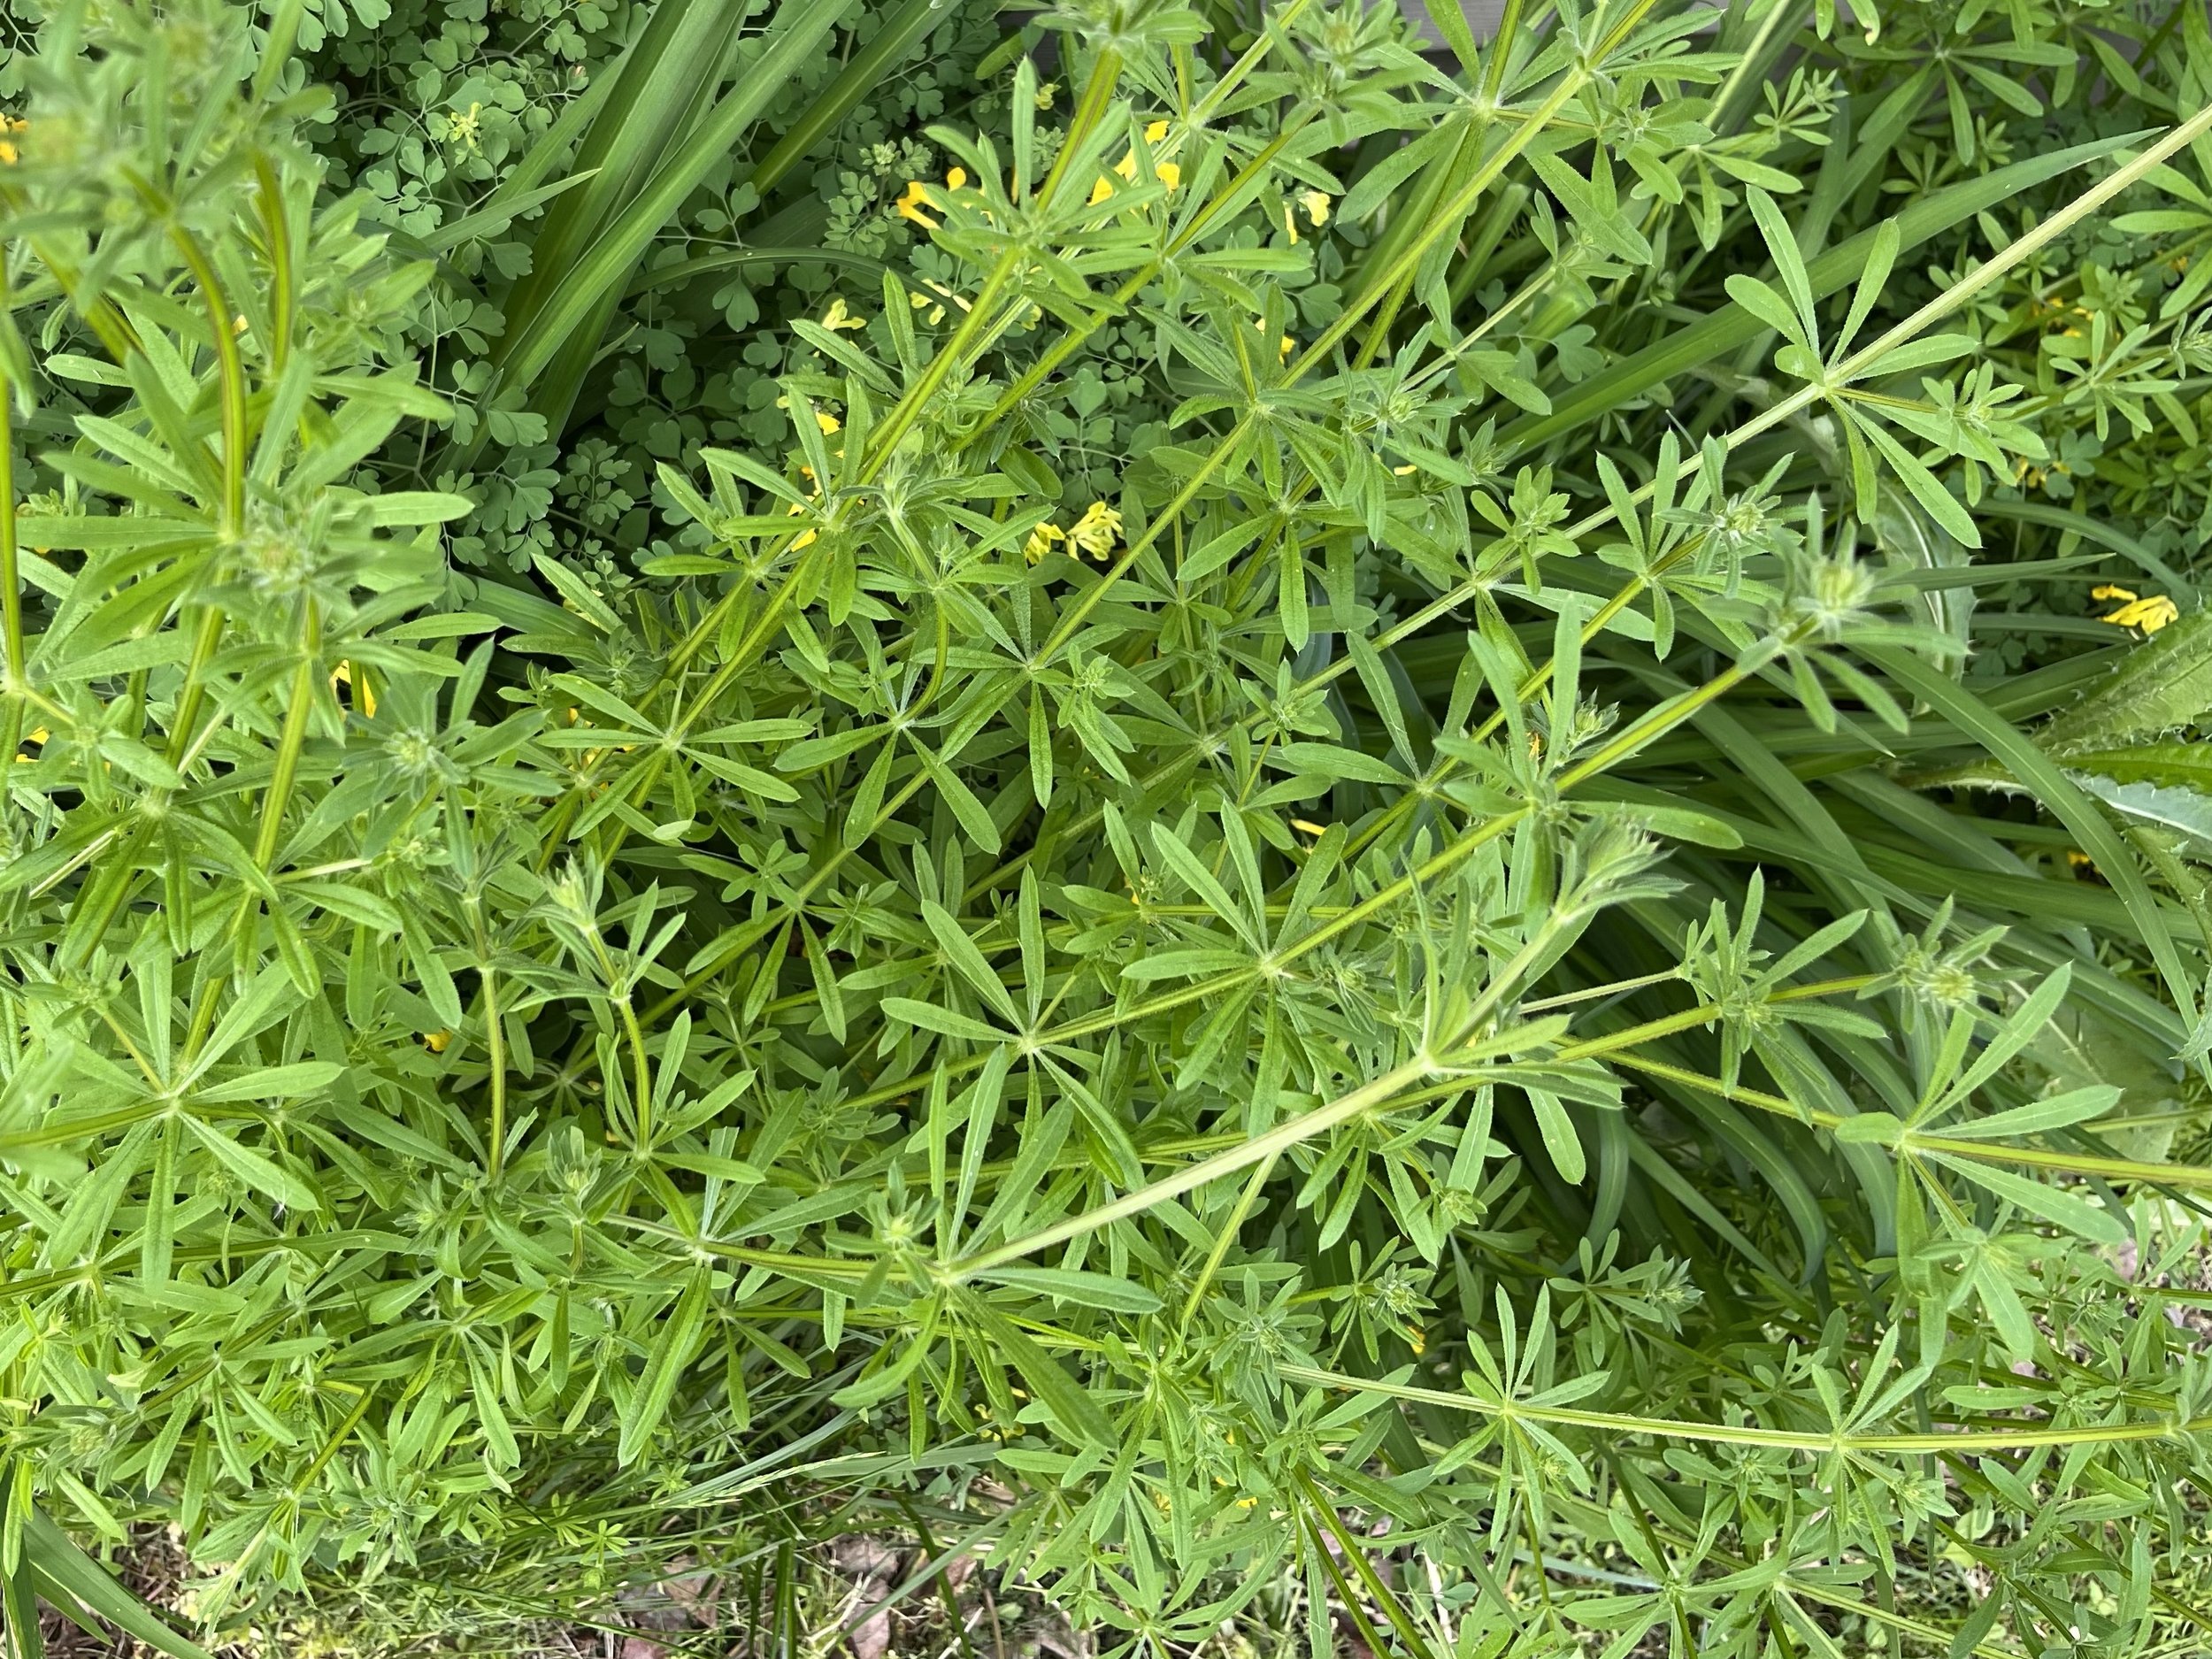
x=1453, y=1008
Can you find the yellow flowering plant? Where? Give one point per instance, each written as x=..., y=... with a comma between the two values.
x=2148, y=612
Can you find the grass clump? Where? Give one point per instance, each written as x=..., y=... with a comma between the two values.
x=1342, y=842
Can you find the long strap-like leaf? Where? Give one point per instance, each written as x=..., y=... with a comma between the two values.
x=60, y=1569
x=577, y=293
x=1731, y=325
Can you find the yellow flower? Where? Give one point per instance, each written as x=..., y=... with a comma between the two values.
x=1096, y=530
x=364, y=699
x=2150, y=613
x=1290, y=224
x=936, y=307
x=1166, y=172
x=436, y=1041
x=1283, y=347
x=1316, y=206
x=1041, y=540
x=808, y=538
x=957, y=178
x=914, y=200
x=1407, y=471
x=1047, y=93
x=40, y=734
x=465, y=128
x=837, y=317
x=828, y=423
x=1126, y=167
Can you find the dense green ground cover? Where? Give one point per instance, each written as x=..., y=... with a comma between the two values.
x=1334, y=845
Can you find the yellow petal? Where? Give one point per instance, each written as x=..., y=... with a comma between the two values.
x=956, y=178
x=917, y=197
x=2149, y=614
x=2107, y=590
x=1096, y=530
x=827, y=423
x=1155, y=131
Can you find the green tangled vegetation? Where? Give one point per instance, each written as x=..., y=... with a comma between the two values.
x=1267, y=831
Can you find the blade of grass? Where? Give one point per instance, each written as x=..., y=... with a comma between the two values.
x=649, y=93
x=57, y=1562
x=574, y=290
x=2074, y=809
x=1729, y=328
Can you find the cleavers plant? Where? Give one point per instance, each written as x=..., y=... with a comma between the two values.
x=1313, y=893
